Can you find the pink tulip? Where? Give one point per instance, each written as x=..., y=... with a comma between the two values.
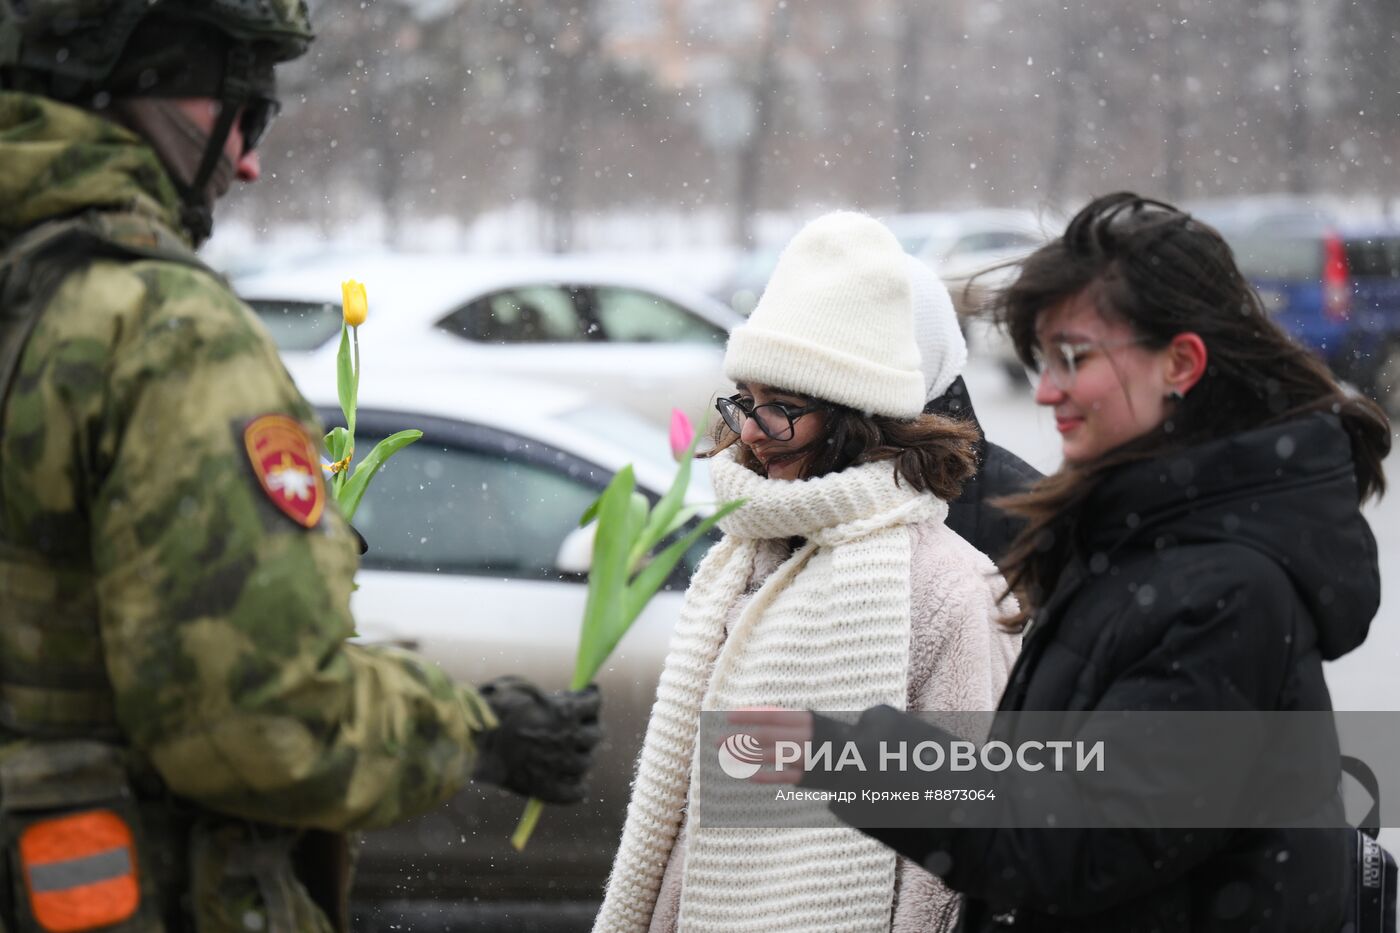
x=681, y=433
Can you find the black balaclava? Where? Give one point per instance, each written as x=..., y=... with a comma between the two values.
x=171, y=58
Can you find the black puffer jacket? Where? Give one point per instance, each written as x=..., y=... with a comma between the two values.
x=999, y=473
x=1216, y=579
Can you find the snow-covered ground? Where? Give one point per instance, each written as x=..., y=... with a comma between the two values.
x=1366, y=679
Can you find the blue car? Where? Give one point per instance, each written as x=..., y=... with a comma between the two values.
x=1373, y=265
x=1334, y=286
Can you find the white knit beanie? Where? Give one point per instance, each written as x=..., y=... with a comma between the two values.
x=835, y=322
x=942, y=349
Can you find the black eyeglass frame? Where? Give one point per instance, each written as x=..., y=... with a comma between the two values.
x=728, y=404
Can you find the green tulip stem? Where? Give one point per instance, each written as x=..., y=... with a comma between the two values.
x=526, y=826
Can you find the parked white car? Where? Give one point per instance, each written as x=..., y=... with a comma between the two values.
x=616, y=333
x=476, y=560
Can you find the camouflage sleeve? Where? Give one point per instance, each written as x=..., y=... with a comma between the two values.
x=225, y=622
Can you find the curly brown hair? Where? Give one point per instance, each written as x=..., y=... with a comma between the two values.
x=932, y=453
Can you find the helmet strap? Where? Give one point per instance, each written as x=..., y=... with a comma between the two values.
x=236, y=90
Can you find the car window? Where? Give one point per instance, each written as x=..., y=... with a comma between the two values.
x=992, y=239
x=1374, y=257
x=437, y=509
x=627, y=315
x=298, y=326
x=533, y=314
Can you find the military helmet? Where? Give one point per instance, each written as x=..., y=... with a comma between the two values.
x=91, y=52
x=74, y=46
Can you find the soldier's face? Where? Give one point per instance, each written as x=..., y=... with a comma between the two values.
x=205, y=113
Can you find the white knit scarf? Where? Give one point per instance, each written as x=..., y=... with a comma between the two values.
x=829, y=630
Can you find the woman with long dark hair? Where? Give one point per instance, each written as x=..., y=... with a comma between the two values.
x=1201, y=549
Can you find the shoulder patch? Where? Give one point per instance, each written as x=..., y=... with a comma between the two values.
x=287, y=466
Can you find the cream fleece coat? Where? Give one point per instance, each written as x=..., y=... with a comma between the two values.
x=882, y=604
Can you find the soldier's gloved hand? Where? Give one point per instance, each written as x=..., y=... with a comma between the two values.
x=543, y=745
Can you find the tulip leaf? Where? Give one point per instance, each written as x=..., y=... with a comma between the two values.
x=662, y=521
x=641, y=590
x=638, y=519
x=608, y=575
x=665, y=511
x=591, y=512
x=338, y=444
x=681, y=517
x=345, y=380
x=354, y=490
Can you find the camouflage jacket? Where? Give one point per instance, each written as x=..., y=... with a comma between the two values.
x=149, y=588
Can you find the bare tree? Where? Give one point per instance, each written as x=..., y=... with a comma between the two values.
x=409, y=108
x=908, y=93
x=1073, y=79
x=566, y=40
x=762, y=87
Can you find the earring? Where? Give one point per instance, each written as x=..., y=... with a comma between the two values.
x=1174, y=396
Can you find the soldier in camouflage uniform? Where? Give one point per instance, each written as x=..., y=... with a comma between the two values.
x=184, y=730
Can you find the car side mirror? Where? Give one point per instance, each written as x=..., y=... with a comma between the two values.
x=576, y=551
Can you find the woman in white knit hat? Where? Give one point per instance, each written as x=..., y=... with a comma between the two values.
x=837, y=586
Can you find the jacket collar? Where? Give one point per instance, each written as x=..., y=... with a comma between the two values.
x=61, y=160
x=956, y=403
x=1286, y=490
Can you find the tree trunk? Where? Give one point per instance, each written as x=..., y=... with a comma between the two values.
x=907, y=111
x=1174, y=123
x=1298, y=130
x=1065, y=148
x=763, y=92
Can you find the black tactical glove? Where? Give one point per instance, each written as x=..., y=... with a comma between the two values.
x=543, y=745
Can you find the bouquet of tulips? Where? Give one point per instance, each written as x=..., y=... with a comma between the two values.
x=624, y=574
x=347, y=486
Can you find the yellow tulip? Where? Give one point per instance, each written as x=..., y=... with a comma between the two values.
x=354, y=302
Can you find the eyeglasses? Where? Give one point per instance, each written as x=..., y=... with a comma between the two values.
x=774, y=418
x=258, y=114
x=1060, y=360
